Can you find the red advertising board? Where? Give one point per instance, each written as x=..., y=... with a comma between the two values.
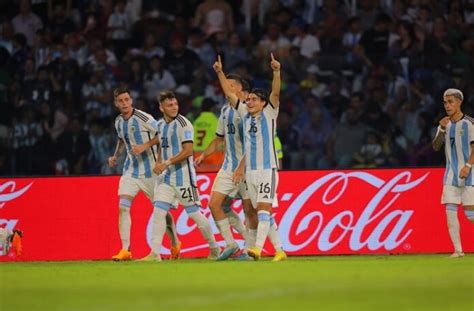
x=320, y=213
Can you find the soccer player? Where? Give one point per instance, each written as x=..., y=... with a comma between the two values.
x=179, y=181
x=456, y=131
x=228, y=183
x=135, y=127
x=259, y=115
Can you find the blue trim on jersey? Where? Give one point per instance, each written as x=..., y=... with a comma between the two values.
x=454, y=154
x=266, y=142
x=253, y=145
x=167, y=179
x=233, y=152
x=469, y=213
x=175, y=145
x=144, y=155
x=129, y=148
x=465, y=150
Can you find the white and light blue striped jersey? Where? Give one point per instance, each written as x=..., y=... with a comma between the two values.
x=138, y=129
x=172, y=137
x=259, y=134
x=231, y=127
x=457, y=146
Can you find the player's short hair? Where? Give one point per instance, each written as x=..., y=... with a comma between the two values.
x=121, y=90
x=242, y=81
x=165, y=95
x=260, y=93
x=454, y=92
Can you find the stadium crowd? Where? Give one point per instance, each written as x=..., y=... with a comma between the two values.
x=362, y=81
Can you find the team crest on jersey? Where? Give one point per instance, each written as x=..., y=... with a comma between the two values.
x=461, y=132
x=133, y=128
x=188, y=135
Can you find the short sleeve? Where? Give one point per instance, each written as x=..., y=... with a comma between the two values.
x=186, y=133
x=271, y=111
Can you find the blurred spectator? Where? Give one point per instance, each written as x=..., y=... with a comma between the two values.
x=157, y=79
x=59, y=22
x=307, y=43
x=233, y=53
x=72, y=149
x=345, y=140
x=181, y=61
x=6, y=40
x=27, y=22
x=370, y=154
x=214, y=16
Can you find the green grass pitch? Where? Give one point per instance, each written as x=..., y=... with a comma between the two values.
x=401, y=282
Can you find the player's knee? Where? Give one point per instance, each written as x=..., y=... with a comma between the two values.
x=264, y=216
x=125, y=203
x=192, y=209
x=162, y=205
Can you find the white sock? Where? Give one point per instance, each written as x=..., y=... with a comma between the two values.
x=125, y=224
x=205, y=228
x=251, y=238
x=274, y=236
x=224, y=228
x=262, y=228
x=236, y=223
x=158, y=228
x=453, y=226
x=171, y=230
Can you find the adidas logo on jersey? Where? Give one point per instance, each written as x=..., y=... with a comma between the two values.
x=265, y=196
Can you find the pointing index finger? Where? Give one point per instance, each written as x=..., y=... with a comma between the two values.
x=273, y=58
x=219, y=58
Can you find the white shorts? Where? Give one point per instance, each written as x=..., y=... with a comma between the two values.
x=224, y=184
x=131, y=186
x=262, y=185
x=187, y=195
x=458, y=195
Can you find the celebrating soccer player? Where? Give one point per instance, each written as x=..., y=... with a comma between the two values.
x=456, y=131
x=230, y=132
x=259, y=114
x=135, y=127
x=179, y=181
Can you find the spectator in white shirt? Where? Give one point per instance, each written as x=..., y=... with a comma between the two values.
x=307, y=43
x=27, y=22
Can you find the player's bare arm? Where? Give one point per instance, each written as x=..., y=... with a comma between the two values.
x=276, y=82
x=438, y=141
x=185, y=153
x=239, y=172
x=138, y=149
x=119, y=148
x=214, y=146
x=466, y=169
x=231, y=96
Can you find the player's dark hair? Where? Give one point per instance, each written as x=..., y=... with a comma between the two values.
x=165, y=95
x=242, y=81
x=121, y=90
x=260, y=93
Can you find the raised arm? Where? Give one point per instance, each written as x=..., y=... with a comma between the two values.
x=231, y=96
x=438, y=141
x=276, y=82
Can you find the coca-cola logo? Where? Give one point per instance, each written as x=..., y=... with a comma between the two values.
x=346, y=222
x=303, y=226
x=8, y=192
